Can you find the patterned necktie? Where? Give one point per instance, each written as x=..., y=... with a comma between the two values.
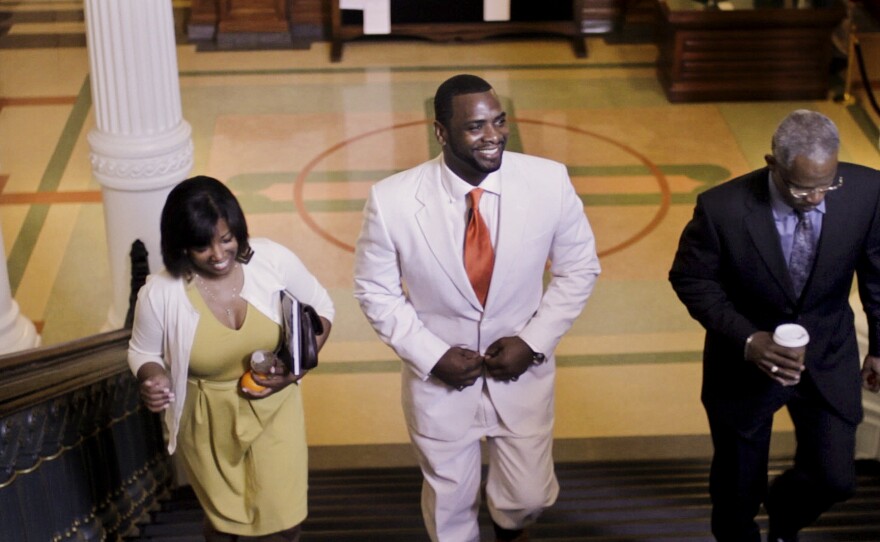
x=479, y=257
x=802, y=252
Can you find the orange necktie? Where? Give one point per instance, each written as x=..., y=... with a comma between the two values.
x=479, y=258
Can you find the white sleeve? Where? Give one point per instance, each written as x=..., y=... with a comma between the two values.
x=379, y=290
x=304, y=285
x=147, y=333
x=574, y=268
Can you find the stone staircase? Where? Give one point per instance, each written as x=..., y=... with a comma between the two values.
x=632, y=501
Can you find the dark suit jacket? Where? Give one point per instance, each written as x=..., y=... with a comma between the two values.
x=730, y=273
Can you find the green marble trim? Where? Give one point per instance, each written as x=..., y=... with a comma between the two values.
x=248, y=187
x=588, y=360
x=32, y=226
x=865, y=123
x=422, y=69
x=696, y=447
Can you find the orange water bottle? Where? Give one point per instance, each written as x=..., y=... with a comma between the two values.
x=262, y=362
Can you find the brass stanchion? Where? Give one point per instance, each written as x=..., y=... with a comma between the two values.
x=847, y=98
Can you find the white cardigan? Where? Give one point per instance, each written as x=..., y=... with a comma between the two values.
x=165, y=321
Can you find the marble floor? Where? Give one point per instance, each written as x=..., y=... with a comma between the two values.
x=266, y=122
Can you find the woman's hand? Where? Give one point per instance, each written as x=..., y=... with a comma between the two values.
x=279, y=377
x=276, y=380
x=155, y=387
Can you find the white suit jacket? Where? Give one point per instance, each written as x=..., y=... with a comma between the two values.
x=412, y=286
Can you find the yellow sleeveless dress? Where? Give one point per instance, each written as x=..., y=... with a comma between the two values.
x=246, y=460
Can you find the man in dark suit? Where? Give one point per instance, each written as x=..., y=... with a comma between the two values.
x=781, y=245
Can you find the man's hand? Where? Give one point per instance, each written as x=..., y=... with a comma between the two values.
x=871, y=373
x=155, y=387
x=782, y=364
x=459, y=367
x=508, y=358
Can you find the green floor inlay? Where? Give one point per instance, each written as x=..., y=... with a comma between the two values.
x=592, y=360
x=35, y=219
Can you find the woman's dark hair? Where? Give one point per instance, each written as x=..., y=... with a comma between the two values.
x=189, y=220
x=452, y=87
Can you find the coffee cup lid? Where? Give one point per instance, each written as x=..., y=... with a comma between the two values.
x=791, y=335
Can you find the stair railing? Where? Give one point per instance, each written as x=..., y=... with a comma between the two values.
x=80, y=459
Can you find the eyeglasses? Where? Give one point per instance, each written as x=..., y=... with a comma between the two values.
x=801, y=193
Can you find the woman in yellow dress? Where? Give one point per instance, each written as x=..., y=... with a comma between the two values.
x=196, y=324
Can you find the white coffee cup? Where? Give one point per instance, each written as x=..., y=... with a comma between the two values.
x=791, y=336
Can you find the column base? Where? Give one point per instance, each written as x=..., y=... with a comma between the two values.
x=17, y=333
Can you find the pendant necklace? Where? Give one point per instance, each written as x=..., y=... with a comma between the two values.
x=228, y=309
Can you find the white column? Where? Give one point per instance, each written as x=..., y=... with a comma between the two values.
x=141, y=146
x=16, y=332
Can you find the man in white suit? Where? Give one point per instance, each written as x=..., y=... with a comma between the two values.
x=477, y=351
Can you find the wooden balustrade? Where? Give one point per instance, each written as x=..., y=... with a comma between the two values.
x=80, y=459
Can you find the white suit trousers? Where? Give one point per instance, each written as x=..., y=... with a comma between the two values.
x=520, y=483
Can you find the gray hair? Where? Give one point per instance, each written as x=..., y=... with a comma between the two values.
x=805, y=133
